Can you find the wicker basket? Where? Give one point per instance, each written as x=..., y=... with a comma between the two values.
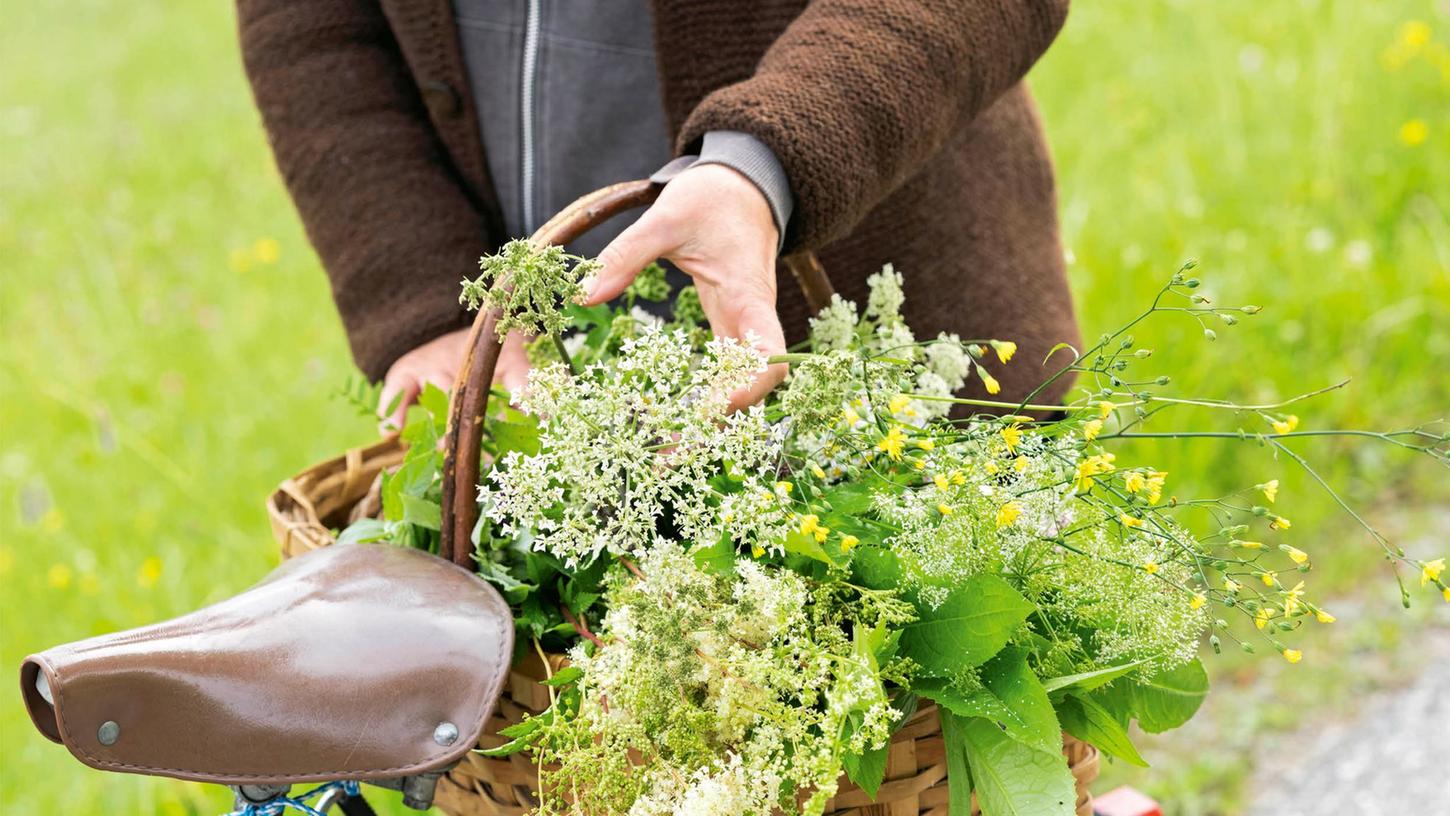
x=306, y=509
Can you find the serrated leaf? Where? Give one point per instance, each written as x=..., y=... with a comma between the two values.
x=971, y=625
x=1012, y=779
x=849, y=498
x=1089, y=680
x=798, y=543
x=422, y=512
x=1091, y=723
x=716, y=559
x=876, y=568
x=1167, y=699
x=867, y=770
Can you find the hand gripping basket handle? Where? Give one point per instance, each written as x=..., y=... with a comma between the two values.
x=475, y=378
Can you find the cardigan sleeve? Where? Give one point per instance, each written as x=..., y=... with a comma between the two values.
x=382, y=205
x=856, y=95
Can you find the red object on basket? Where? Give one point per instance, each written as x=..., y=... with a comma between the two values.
x=1125, y=801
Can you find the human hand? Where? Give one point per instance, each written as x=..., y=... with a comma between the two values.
x=437, y=361
x=716, y=226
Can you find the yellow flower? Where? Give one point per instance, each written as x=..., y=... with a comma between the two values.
x=993, y=387
x=1249, y=545
x=1197, y=601
x=849, y=542
x=1279, y=523
x=783, y=489
x=1105, y=409
x=1129, y=521
x=1296, y=555
x=1008, y=514
x=267, y=250
x=1261, y=618
x=58, y=576
x=1430, y=571
x=919, y=464
x=1150, y=567
x=941, y=481
x=1270, y=489
x=958, y=478
x=1094, y=465
x=728, y=516
x=1005, y=349
x=1091, y=429
x=1293, y=655
x=1230, y=585
x=757, y=551
x=849, y=417
x=1012, y=435
x=898, y=404
x=1020, y=464
x=1285, y=425
x=925, y=444
x=1415, y=33
x=1156, y=480
x=817, y=472
x=811, y=525
x=1267, y=578
x=944, y=508
x=1323, y=616
x=149, y=573
x=991, y=468
x=893, y=443
x=1134, y=481
x=1414, y=132
x=1446, y=594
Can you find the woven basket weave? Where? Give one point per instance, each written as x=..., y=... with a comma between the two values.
x=308, y=507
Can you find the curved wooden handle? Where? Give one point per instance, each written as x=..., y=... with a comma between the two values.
x=475, y=378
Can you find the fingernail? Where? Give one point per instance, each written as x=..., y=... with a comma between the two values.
x=589, y=284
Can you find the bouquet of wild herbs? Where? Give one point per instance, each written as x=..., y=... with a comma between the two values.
x=752, y=601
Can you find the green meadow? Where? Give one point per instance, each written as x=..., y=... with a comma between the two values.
x=169, y=351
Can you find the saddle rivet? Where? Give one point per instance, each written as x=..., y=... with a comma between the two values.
x=109, y=732
x=445, y=734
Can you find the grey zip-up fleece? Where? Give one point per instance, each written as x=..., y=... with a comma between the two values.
x=568, y=101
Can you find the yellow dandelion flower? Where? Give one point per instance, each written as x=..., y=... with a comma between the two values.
x=1150, y=567
x=1012, y=435
x=1156, y=480
x=898, y=404
x=1270, y=489
x=757, y=550
x=919, y=464
x=958, y=478
x=58, y=576
x=1129, y=521
x=1020, y=464
x=944, y=508
x=893, y=443
x=1296, y=555
x=993, y=387
x=1285, y=425
x=1008, y=514
x=267, y=250
x=1430, y=571
x=1323, y=616
x=1261, y=618
x=149, y=573
x=1197, y=601
x=1091, y=429
x=1005, y=349
x=1279, y=523
x=1134, y=481
x=1414, y=132
x=941, y=481
x=1293, y=655
x=1267, y=578
x=1105, y=409
x=849, y=542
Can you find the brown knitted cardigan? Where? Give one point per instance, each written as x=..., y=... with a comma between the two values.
x=903, y=126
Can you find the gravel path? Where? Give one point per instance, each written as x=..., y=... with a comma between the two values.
x=1393, y=758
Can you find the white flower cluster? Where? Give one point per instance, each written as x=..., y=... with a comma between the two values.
x=637, y=439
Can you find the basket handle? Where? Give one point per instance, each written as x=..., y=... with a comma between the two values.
x=475, y=377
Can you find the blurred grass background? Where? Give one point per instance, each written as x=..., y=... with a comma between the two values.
x=169, y=348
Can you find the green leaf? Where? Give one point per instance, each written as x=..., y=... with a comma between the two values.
x=515, y=436
x=867, y=770
x=973, y=624
x=959, y=774
x=716, y=559
x=564, y=676
x=876, y=568
x=799, y=543
x=1089, y=680
x=1090, y=722
x=849, y=498
x=435, y=401
x=364, y=531
x=1012, y=779
x=422, y=512
x=1010, y=678
x=1161, y=702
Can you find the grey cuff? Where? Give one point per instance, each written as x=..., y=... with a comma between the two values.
x=748, y=156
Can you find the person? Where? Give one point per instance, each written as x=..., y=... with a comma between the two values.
x=415, y=136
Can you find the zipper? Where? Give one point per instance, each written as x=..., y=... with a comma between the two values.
x=526, y=112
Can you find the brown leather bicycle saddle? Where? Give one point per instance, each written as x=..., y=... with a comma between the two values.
x=350, y=662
